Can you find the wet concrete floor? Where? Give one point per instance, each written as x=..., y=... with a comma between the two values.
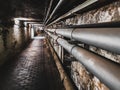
x=34, y=69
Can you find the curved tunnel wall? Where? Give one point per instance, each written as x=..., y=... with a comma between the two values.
x=13, y=39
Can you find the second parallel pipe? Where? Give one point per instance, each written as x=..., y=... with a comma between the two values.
x=105, y=38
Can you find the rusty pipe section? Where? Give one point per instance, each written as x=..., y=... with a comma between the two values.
x=105, y=38
x=64, y=77
x=106, y=70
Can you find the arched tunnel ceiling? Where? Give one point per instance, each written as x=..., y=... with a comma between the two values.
x=36, y=9
x=23, y=8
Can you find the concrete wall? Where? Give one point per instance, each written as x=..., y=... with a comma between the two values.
x=12, y=40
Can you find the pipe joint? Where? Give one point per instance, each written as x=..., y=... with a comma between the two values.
x=72, y=48
x=72, y=33
x=57, y=38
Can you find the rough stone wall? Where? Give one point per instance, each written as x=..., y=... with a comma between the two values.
x=112, y=56
x=12, y=41
x=82, y=78
x=85, y=80
x=108, y=13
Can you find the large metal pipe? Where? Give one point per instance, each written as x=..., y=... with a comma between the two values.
x=106, y=70
x=105, y=38
x=79, y=7
x=55, y=9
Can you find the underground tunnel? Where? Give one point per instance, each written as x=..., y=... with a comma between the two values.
x=60, y=45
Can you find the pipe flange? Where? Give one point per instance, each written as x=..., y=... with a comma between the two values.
x=57, y=38
x=72, y=48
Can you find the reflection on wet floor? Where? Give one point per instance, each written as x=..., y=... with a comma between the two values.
x=34, y=69
x=39, y=37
